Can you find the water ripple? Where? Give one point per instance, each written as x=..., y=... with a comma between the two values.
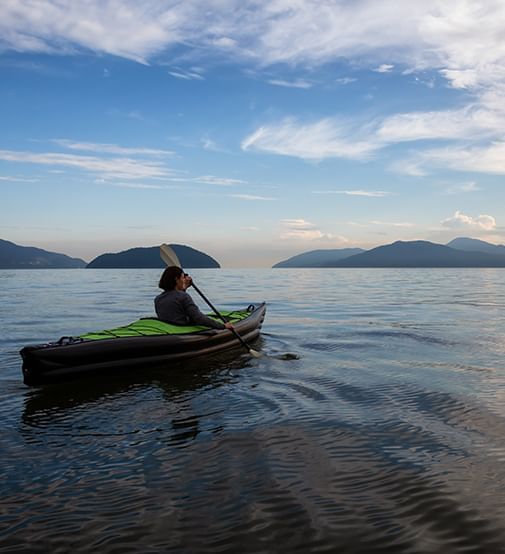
x=385, y=436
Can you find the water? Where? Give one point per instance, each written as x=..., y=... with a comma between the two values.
x=387, y=435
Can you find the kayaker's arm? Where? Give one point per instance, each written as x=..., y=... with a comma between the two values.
x=198, y=318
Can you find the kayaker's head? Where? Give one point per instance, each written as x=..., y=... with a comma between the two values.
x=172, y=278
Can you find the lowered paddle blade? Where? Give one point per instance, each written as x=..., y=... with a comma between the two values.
x=169, y=256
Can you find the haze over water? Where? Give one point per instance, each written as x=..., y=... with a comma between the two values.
x=387, y=435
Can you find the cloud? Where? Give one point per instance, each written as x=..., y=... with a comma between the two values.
x=392, y=224
x=384, y=68
x=470, y=186
x=471, y=122
x=312, y=141
x=250, y=197
x=461, y=221
x=345, y=80
x=121, y=168
x=486, y=159
x=110, y=148
x=412, y=167
x=338, y=138
x=187, y=75
x=212, y=146
x=370, y=193
x=429, y=37
x=208, y=180
x=224, y=43
x=220, y=181
x=17, y=179
x=137, y=186
x=300, y=229
x=299, y=83
x=430, y=34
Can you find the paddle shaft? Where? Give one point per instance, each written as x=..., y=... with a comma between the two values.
x=244, y=344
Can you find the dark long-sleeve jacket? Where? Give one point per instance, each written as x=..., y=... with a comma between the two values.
x=177, y=307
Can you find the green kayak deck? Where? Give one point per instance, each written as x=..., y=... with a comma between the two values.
x=151, y=327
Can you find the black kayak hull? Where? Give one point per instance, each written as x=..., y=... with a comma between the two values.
x=54, y=362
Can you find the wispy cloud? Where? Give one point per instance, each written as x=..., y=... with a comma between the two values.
x=370, y=193
x=312, y=141
x=334, y=138
x=111, y=148
x=211, y=145
x=251, y=197
x=427, y=37
x=17, y=179
x=485, y=159
x=137, y=186
x=384, y=68
x=187, y=74
x=471, y=122
x=345, y=80
x=298, y=83
x=447, y=37
x=470, y=186
x=208, y=180
x=121, y=168
x=462, y=221
x=300, y=229
x=219, y=181
x=404, y=224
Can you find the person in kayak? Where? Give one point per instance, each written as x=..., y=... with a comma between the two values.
x=174, y=305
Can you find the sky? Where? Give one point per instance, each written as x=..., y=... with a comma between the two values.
x=250, y=130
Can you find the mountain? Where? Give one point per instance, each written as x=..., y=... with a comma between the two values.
x=419, y=254
x=14, y=256
x=318, y=258
x=476, y=245
x=149, y=257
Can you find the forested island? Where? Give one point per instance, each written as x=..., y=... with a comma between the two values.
x=14, y=256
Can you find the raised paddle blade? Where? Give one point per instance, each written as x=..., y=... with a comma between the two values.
x=169, y=256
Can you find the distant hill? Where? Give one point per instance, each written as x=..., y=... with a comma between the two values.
x=14, y=256
x=419, y=254
x=476, y=245
x=318, y=258
x=149, y=257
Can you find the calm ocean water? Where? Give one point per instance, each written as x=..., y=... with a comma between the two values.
x=387, y=435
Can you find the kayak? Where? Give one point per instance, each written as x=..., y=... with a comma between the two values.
x=147, y=341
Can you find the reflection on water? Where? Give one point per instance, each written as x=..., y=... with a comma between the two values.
x=386, y=435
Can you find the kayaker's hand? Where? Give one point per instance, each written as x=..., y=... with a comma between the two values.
x=188, y=281
x=229, y=326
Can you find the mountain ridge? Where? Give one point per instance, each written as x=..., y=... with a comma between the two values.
x=15, y=256
x=145, y=257
x=460, y=252
x=420, y=254
x=314, y=258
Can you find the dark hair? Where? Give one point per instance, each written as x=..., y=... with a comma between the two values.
x=169, y=276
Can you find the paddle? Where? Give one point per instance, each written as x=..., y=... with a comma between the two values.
x=170, y=258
